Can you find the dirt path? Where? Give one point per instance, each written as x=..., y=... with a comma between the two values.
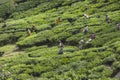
x=118, y=75
x=13, y=53
x=10, y=50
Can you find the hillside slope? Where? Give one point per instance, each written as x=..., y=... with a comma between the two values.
x=36, y=57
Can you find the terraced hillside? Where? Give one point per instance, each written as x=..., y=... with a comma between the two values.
x=36, y=57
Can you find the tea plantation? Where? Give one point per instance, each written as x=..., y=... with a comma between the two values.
x=36, y=57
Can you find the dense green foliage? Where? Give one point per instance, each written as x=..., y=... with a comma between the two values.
x=6, y=8
x=26, y=57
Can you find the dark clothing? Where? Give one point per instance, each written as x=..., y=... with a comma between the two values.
x=93, y=36
x=61, y=48
x=33, y=29
x=85, y=31
x=107, y=19
x=61, y=51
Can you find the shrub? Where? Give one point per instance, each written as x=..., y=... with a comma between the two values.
x=61, y=36
x=22, y=76
x=7, y=8
x=37, y=39
x=109, y=60
x=4, y=39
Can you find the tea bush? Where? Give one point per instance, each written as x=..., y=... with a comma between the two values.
x=39, y=58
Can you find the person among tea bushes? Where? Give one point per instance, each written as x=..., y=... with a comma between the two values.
x=89, y=40
x=92, y=36
x=33, y=29
x=60, y=47
x=58, y=21
x=28, y=32
x=86, y=16
x=88, y=43
x=118, y=26
x=85, y=30
x=107, y=18
x=81, y=44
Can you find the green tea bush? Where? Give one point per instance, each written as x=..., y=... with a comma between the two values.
x=109, y=60
x=73, y=30
x=105, y=54
x=69, y=2
x=4, y=74
x=62, y=27
x=44, y=27
x=61, y=36
x=112, y=7
x=113, y=42
x=107, y=72
x=35, y=48
x=99, y=60
x=5, y=38
x=94, y=76
x=99, y=41
x=68, y=15
x=74, y=39
x=22, y=76
x=7, y=49
x=118, y=50
x=6, y=9
x=116, y=65
x=37, y=39
x=98, y=68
